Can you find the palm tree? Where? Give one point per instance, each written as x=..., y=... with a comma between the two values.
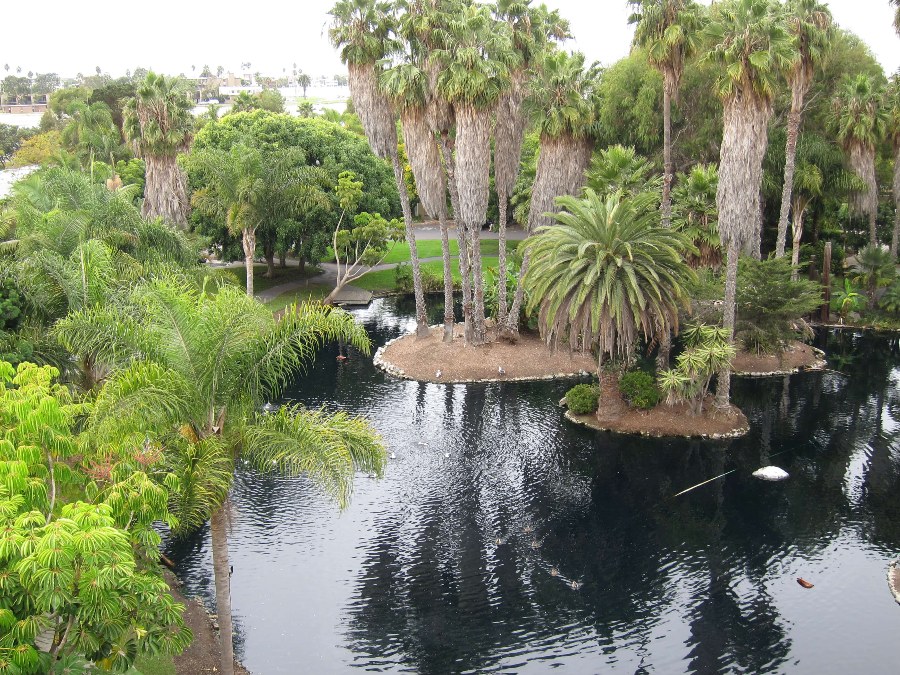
x=874, y=268
x=406, y=84
x=896, y=16
x=670, y=32
x=246, y=190
x=620, y=169
x=91, y=131
x=304, y=82
x=694, y=213
x=752, y=46
x=809, y=23
x=532, y=30
x=893, y=110
x=606, y=273
x=159, y=124
x=474, y=72
x=363, y=30
x=808, y=182
x=190, y=371
x=563, y=101
x=859, y=121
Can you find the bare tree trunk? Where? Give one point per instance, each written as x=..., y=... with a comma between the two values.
x=449, y=316
x=502, y=308
x=450, y=167
x=165, y=191
x=790, y=156
x=896, y=235
x=222, y=574
x=421, y=318
x=723, y=388
x=282, y=258
x=666, y=204
x=248, y=238
x=798, y=234
x=269, y=252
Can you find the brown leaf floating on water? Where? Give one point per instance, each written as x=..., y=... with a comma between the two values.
x=803, y=582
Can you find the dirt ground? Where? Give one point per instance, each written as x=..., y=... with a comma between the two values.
x=203, y=654
x=797, y=356
x=528, y=358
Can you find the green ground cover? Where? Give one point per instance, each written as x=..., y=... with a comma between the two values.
x=282, y=275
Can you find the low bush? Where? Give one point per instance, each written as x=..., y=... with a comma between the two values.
x=583, y=399
x=639, y=389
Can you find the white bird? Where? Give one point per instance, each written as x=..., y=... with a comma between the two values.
x=438, y=374
x=446, y=454
x=393, y=455
x=771, y=473
x=500, y=370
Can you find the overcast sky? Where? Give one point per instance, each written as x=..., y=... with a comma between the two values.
x=172, y=35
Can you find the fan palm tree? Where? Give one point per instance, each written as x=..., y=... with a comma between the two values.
x=809, y=24
x=670, y=32
x=896, y=15
x=695, y=214
x=563, y=101
x=190, y=370
x=474, y=72
x=606, y=273
x=363, y=30
x=304, y=81
x=893, y=111
x=808, y=182
x=751, y=43
x=859, y=123
x=532, y=31
x=247, y=189
x=620, y=169
x=91, y=131
x=159, y=124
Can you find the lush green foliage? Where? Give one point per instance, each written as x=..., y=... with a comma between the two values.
x=771, y=305
x=874, y=268
x=639, y=389
x=11, y=137
x=583, y=399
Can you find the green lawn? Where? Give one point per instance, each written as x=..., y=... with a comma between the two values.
x=431, y=248
x=311, y=292
x=282, y=275
x=383, y=280
x=153, y=665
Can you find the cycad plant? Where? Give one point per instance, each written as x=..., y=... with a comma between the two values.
x=751, y=44
x=670, y=31
x=606, y=273
x=159, y=124
x=190, y=371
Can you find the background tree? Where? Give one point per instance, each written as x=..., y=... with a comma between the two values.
x=859, y=122
x=620, y=169
x=669, y=31
x=751, y=45
x=190, y=372
x=892, y=100
x=159, y=124
x=695, y=214
x=363, y=31
x=304, y=82
x=809, y=24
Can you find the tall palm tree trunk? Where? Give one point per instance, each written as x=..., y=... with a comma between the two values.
x=450, y=167
x=502, y=309
x=790, y=157
x=668, y=170
x=896, y=235
x=862, y=161
x=421, y=318
x=449, y=316
x=222, y=575
x=248, y=239
x=723, y=386
x=165, y=192
x=798, y=234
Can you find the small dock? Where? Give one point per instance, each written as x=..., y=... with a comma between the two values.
x=353, y=296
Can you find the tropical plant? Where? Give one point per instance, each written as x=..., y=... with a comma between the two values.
x=772, y=304
x=91, y=133
x=159, y=124
x=669, y=30
x=846, y=298
x=874, y=268
x=304, y=81
x=859, y=123
x=751, y=44
x=605, y=274
x=191, y=370
x=563, y=100
x=639, y=389
x=695, y=214
x=892, y=99
x=583, y=399
x=85, y=573
x=809, y=25
x=620, y=169
x=890, y=301
x=363, y=31
x=708, y=350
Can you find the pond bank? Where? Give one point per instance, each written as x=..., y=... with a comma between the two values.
x=797, y=357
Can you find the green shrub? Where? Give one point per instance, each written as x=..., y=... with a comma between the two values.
x=403, y=278
x=583, y=398
x=639, y=389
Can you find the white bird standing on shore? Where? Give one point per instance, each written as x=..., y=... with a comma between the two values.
x=500, y=370
x=437, y=375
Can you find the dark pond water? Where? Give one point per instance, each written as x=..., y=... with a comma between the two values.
x=447, y=564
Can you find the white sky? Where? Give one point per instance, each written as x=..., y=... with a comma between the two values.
x=171, y=35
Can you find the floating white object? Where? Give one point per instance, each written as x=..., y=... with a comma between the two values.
x=771, y=473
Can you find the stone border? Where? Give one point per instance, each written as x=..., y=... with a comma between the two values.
x=820, y=364
x=590, y=422
x=396, y=371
